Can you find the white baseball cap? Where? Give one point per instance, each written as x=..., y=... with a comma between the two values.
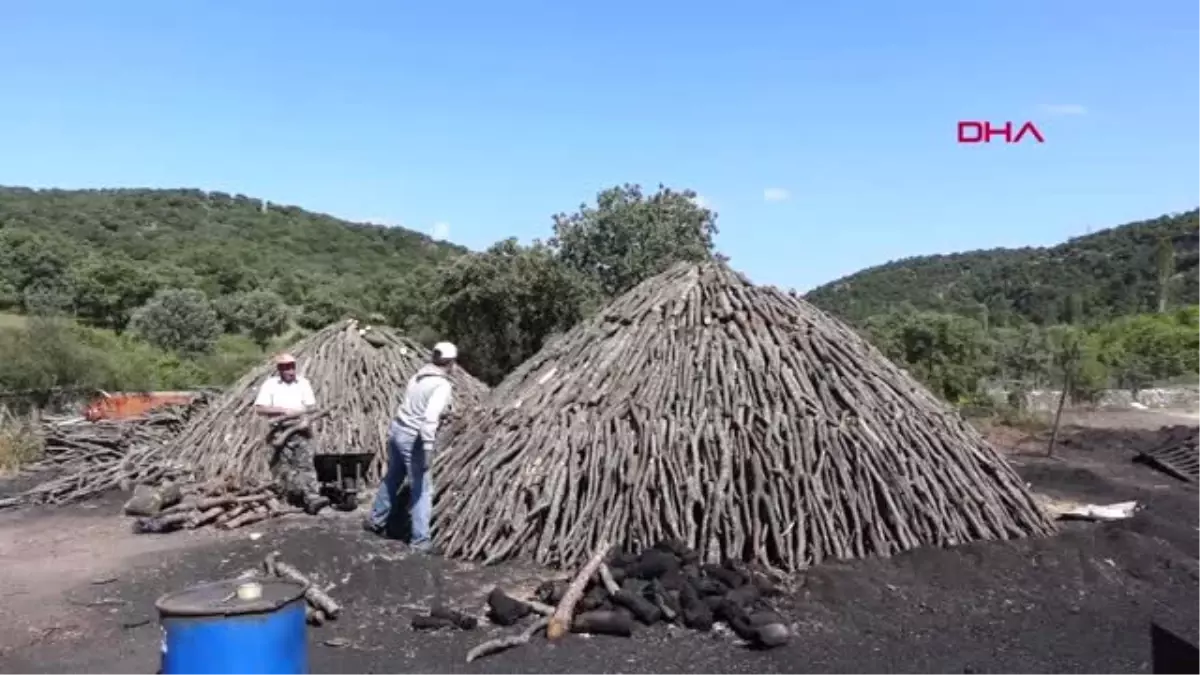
x=445, y=350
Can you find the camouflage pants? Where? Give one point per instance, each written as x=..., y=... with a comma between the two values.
x=293, y=468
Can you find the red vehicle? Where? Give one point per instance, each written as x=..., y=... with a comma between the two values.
x=125, y=405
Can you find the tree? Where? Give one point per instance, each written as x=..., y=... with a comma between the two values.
x=405, y=302
x=33, y=260
x=1074, y=358
x=108, y=290
x=44, y=355
x=182, y=321
x=260, y=314
x=628, y=237
x=49, y=298
x=500, y=306
x=1021, y=354
x=325, y=305
x=1165, y=266
x=10, y=297
x=950, y=354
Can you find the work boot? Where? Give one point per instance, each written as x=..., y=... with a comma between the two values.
x=377, y=530
x=314, y=503
x=426, y=548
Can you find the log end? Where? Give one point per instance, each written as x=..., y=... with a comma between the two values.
x=556, y=629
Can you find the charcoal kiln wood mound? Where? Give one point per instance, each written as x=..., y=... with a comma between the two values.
x=358, y=374
x=738, y=419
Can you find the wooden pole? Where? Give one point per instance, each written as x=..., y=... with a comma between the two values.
x=1062, y=399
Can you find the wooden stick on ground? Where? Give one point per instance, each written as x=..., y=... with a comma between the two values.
x=270, y=562
x=500, y=644
x=540, y=608
x=560, y=623
x=606, y=578
x=317, y=597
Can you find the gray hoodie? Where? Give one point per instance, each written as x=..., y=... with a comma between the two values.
x=428, y=395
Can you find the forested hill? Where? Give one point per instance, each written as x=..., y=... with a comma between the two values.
x=222, y=244
x=1109, y=273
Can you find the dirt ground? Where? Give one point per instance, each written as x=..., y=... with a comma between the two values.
x=78, y=589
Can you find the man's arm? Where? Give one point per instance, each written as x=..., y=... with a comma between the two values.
x=438, y=401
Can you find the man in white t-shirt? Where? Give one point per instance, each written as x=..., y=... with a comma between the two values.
x=284, y=392
x=287, y=393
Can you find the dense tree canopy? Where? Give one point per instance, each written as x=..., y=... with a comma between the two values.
x=502, y=304
x=181, y=267
x=170, y=263
x=1120, y=271
x=628, y=237
x=218, y=243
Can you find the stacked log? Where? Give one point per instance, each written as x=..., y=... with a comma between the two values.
x=737, y=419
x=224, y=505
x=358, y=375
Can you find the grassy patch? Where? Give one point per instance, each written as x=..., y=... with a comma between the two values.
x=10, y=320
x=19, y=444
x=43, y=354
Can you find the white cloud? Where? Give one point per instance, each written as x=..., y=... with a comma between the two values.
x=1063, y=109
x=703, y=202
x=776, y=194
x=441, y=230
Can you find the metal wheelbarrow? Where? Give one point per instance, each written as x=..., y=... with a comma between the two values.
x=343, y=476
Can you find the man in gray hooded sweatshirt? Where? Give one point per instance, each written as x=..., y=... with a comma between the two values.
x=411, y=443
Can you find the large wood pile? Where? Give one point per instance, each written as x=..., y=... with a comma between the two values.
x=737, y=419
x=358, y=375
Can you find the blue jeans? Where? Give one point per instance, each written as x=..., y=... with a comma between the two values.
x=406, y=459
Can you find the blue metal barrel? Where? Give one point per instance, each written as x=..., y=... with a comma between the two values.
x=208, y=629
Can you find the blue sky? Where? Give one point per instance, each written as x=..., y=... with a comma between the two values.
x=823, y=133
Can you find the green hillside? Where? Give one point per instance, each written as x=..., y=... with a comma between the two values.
x=53, y=243
x=1110, y=273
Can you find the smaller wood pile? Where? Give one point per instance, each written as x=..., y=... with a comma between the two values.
x=358, y=374
x=1177, y=454
x=614, y=594
x=85, y=459
x=222, y=504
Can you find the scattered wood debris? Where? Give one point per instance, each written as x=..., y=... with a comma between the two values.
x=321, y=606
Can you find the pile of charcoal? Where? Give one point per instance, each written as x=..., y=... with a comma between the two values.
x=666, y=583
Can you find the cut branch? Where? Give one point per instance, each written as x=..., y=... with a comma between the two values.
x=560, y=622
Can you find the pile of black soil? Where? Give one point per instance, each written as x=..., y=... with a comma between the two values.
x=1126, y=442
